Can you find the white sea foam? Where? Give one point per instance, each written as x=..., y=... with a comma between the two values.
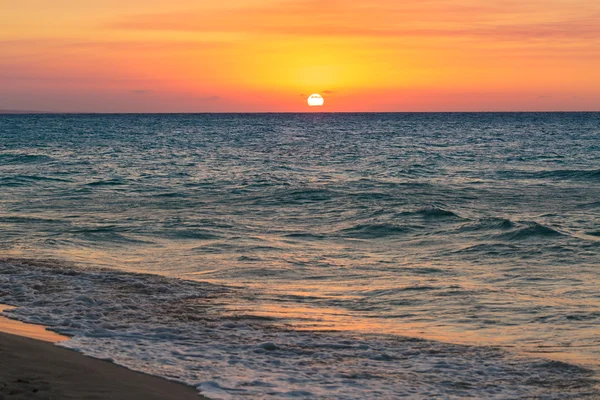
x=177, y=329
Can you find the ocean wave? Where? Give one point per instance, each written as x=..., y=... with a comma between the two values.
x=21, y=180
x=432, y=213
x=98, y=236
x=576, y=174
x=107, y=182
x=305, y=236
x=196, y=234
x=489, y=249
x=530, y=230
x=19, y=158
x=171, y=195
x=178, y=330
x=392, y=292
x=96, y=229
x=27, y=219
x=292, y=196
x=558, y=174
x=591, y=205
x=428, y=271
x=374, y=231
x=485, y=224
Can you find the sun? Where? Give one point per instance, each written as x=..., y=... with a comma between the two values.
x=315, y=100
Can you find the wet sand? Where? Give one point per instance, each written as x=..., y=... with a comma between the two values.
x=32, y=331
x=37, y=369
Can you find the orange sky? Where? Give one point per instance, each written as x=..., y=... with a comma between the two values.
x=269, y=55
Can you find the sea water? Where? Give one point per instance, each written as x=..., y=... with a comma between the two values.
x=342, y=256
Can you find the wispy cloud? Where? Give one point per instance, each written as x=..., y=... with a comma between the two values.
x=113, y=45
x=502, y=20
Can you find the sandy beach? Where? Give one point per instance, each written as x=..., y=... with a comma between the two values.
x=37, y=369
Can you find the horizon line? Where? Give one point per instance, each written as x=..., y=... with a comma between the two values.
x=39, y=112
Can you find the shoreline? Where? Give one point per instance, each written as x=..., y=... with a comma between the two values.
x=180, y=340
x=38, y=369
x=23, y=329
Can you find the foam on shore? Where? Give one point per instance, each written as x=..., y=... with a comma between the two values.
x=177, y=329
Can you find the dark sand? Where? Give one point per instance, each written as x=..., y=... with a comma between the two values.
x=33, y=369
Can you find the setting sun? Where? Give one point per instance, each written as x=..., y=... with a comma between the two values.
x=315, y=100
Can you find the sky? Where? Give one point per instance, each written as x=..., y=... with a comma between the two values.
x=270, y=55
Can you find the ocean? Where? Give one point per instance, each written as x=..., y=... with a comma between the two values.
x=329, y=256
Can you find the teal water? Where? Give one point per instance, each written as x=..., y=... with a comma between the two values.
x=468, y=229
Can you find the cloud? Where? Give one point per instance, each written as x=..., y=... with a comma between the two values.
x=141, y=91
x=329, y=91
x=77, y=74
x=502, y=21
x=112, y=46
